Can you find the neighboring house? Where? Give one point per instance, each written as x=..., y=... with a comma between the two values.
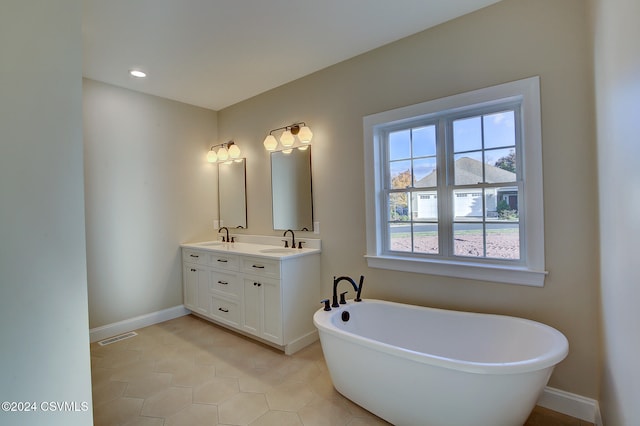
x=468, y=201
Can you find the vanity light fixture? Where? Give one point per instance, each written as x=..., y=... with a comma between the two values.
x=287, y=138
x=223, y=154
x=234, y=151
x=228, y=151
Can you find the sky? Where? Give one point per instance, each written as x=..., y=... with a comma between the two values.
x=498, y=130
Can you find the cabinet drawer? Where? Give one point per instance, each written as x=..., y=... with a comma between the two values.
x=225, y=310
x=224, y=261
x=196, y=256
x=227, y=283
x=262, y=267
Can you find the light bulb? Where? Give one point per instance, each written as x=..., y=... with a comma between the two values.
x=287, y=139
x=234, y=151
x=137, y=73
x=270, y=143
x=212, y=157
x=305, y=134
x=287, y=151
x=223, y=154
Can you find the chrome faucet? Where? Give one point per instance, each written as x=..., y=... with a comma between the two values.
x=223, y=239
x=357, y=288
x=293, y=238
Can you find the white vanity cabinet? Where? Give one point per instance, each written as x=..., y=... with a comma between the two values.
x=262, y=315
x=272, y=297
x=195, y=276
x=225, y=289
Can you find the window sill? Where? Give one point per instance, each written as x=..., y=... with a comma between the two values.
x=458, y=269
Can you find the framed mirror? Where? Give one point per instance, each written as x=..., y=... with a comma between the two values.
x=291, y=195
x=232, y=194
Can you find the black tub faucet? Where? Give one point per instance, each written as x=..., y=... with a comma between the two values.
x=357, y=288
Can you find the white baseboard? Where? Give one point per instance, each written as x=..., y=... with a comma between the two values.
x=131, y=324
x=571, y=404
x=301, y=343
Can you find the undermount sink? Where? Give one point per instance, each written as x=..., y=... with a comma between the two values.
x=211, y=244
x=277, y=250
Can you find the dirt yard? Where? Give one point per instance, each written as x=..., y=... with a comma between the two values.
x=499, y=245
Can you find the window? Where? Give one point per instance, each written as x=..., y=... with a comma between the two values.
x=454, y=186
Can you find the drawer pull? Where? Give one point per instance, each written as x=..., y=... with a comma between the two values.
x=258, y=284
x=223, y=310
x=193, y=270
x=194, y=255
x=223, y=260
x=258, y=266
x=223, y=282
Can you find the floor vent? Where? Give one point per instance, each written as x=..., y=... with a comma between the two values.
x=115, y=339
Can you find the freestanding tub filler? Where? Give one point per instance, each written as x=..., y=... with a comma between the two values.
x=422, y=366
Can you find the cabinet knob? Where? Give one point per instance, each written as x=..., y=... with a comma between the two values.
x=223, y=282
x=258, y=284
x=193, y=270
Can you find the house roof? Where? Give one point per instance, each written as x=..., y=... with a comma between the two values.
x=468, y=171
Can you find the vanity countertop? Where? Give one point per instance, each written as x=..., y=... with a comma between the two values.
x=251, y=249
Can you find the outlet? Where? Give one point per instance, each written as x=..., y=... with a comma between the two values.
x=216, y=224
x=316, y=227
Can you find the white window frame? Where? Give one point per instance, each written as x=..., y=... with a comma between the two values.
x=530, y=269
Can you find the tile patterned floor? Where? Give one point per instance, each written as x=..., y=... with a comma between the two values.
x=188, y=371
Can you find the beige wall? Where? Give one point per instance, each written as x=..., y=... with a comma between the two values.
x=148, y=188
x=43, y=286
x=617, y=72
x=511, y=40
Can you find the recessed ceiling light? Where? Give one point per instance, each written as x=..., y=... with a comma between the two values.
x=138, y=73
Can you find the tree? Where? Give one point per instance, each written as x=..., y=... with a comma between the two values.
x=400, y=181
x=508, y=162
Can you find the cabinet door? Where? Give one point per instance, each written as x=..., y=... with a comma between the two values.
x=263, y=308
x=196, y=288
x=202, y=301
x=272, y=311
x=190, y=285
x=252, y=306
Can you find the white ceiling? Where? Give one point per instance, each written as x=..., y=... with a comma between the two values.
x=214, y=53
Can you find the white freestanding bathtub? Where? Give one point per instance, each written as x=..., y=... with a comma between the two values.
x=422, y=366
